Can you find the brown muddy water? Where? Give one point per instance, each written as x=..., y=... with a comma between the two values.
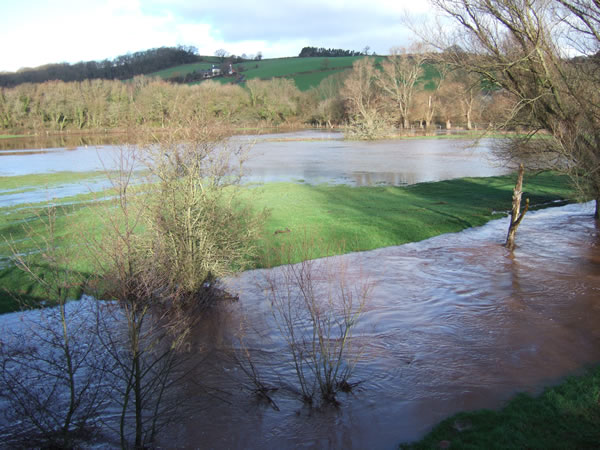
x=455, y=323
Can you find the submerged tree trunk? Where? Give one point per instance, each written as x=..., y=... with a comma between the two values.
x=516, y=216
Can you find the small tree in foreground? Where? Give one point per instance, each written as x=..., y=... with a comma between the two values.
x=167, y=243
x=51, y=378
x=316, y=308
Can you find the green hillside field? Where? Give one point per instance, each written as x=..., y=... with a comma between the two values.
x=306, y=72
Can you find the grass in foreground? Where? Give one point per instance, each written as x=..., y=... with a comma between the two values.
x=329, y=219
x=564, y=416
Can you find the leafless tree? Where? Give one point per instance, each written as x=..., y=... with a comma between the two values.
x=363, y=101
x=398, y=79
x=50, y=378
x=520, y=47
x=316, y=307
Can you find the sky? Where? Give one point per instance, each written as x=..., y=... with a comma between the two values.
x=37, y=32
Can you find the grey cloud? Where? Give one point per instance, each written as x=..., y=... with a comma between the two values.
x=319, y=22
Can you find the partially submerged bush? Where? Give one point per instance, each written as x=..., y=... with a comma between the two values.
x=316, y=307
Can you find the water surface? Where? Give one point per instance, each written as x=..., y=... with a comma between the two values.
x=308, y=156
x=455, y=323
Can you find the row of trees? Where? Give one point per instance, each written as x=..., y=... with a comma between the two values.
x=328, y=52
x=395, y=91
x=102, y=104
x=120, y=68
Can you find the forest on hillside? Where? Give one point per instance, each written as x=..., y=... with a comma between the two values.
x=376, y=97
x=120, y=68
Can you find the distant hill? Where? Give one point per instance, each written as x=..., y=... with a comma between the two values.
x=183, y=65
x=305, y=71
x=121, y=68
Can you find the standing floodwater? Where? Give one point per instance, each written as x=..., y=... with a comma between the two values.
x=308, y=157
x=456, y=322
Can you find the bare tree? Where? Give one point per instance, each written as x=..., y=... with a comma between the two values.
x=363, y=101
x=316, y=307
x=222, y=53
x=398, y=79
x=519, y=46
x=516, y=215
x=50, y=375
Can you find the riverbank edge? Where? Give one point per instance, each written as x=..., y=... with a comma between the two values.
x=308, y=222
x=566, y=415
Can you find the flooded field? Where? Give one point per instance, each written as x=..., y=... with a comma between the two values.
x=309, y=157
x=455, y=323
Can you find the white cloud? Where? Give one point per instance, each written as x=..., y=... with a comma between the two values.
x=40, y=32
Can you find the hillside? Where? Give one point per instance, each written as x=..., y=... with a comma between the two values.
x=306, y=72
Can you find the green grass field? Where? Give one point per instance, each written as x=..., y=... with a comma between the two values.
x=306, y=72
x=330, y=218
x=566, y=416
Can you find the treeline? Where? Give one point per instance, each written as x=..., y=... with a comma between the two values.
x=328, y=52
x=111, y=104
x=375, y=98
x=120, y=68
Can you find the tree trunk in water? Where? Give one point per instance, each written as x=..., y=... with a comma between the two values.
x=516, y=216
x=597, y=213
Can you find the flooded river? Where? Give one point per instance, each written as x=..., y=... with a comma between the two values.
x=308, y=156
x=455, y=323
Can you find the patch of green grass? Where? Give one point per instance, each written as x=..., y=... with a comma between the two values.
x=345, y=219
x=75, y=216
x=326, y=219
x=565, y=416
x=279, y=67
x=12, y=136
x=46, y=179
x=305, y=81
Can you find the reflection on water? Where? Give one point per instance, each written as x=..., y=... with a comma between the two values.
x=359, y=163
x=309, y=156
x=69, y=141
x=456, y=322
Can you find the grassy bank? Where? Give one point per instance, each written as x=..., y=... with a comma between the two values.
x=327, y=219
x=564, y=416
x=365, y=218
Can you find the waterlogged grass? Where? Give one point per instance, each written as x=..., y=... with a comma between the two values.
x=565, y=416
x=26, y=182
x=12, y=136
x=310, y=221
